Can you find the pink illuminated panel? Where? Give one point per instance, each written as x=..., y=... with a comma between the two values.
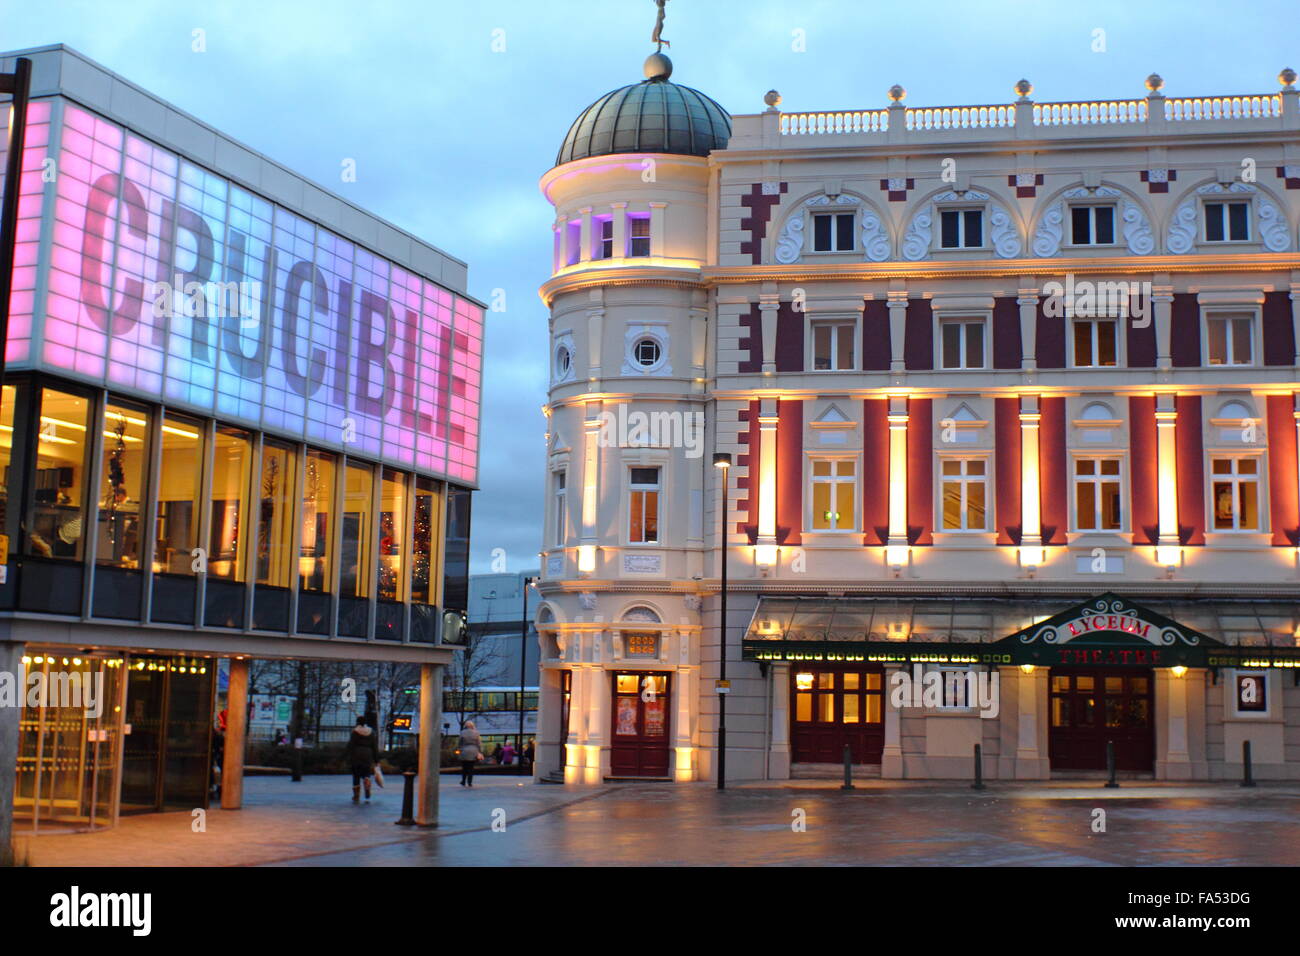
x=27, y=241
x=169, y=281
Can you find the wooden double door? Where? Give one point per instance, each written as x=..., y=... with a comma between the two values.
x=834, y=705
x=639, y=736
x=1089, y=707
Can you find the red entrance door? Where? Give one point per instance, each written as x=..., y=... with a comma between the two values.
x=1089, y=707
x=836, y=705
x=640, y=731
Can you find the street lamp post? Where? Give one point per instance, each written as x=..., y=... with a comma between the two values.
x=722, y=461
x=523, y=666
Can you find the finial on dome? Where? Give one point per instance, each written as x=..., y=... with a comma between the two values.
x=897, y=93
x=657, y=67
x=1287, y=78
x=1024, y=88
x=1155, y=83
x=772, y=98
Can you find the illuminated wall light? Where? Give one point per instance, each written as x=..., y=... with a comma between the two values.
x=1169, y=557
x=896, y=555
x=803, y=681
x=1033, y=557
x=1178, y=670
x=765, y=555
x=586, y=558
x=1026, y=668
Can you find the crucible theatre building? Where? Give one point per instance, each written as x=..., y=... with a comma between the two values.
x=1008, y=395
x=239, y=419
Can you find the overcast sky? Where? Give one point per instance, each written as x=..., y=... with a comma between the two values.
x=450, y=137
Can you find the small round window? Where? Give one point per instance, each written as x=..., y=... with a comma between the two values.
x=563, y=362
x=647, y=352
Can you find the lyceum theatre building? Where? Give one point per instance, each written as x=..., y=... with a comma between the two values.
x=240, y=419
x=1003, y=401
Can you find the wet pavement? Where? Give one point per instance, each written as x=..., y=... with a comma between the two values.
x=1025, y=825
x=508, y=821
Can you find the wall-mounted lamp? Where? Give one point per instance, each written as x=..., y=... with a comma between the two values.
x=586, y=558
x=1169, y=558
x=1026, y=668
x=1031, y=558
x=1178, y=670
x=897, y=555
x=765, y=555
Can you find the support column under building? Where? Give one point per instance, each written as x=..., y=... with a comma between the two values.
x=430, y=744
x=232, y=761
x=11, y=666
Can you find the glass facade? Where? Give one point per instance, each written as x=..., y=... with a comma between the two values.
x=229, y=509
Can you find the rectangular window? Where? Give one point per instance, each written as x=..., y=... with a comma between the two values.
x=1095, y=343
x=231, y=474
x=833, y=232
x=317, y=528
x=833, y=346
x=638, y=240
x=560, y=514
x=604, y=239
x=1229, y=338
x=1092, y=225
x=125, y=460
x=426, y=513
x=1234, y=493
x=961, y=228
x=962, y=343
x=57, y=510
x=355, y=571
x=643, y=506
x=275, y=525
x=1227, y=221
x=8, y=395
x=834, y=492
x=965, y=492
x=392, y=535
x=1097, y=494
x=176, y=521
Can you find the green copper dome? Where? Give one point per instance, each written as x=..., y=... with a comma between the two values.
x=653, y=116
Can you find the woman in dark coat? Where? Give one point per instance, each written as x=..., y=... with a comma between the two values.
x=362, y=755
x=470, y=752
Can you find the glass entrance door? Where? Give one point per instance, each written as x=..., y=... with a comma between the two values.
x=640, y=733
x=834, y=706
x=1090, y=707
x=167, y=743
x=69, y=744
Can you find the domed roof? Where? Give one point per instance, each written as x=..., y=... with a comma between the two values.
x=653, y=116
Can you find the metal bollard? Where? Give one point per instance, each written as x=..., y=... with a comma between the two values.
x=408, y=801
x=1110, y=764
x=979, y=769
x=848, y=769
x=1246, y=779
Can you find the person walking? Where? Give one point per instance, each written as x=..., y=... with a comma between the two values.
x=363, y=754
x=530, y=753
x=470, y=744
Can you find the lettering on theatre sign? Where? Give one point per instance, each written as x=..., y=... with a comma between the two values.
x=170, y=281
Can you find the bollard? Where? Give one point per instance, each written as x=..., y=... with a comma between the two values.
x=848, y=769
x=408, y=801
x=979, y=769
x=1110, y=764
x=1246, y=779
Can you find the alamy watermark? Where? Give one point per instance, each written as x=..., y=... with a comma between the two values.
x=1085, y=299
x=66, y=689
x=637, y=429
x=979, y=690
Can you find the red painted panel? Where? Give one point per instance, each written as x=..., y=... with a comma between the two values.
x=1053, y=480
x=920, y=470
x=789, y=472
x=876, y=352
x=1279, y=332
x=749, y=459
x=1189, y=461
x=875, y=471
x=1185, y=330
x=789, y=339
x=1006, y=332
x=1049, y=339
x=1284, y=510
x=918, y=341
x=1143, y=481
x=1006, y=468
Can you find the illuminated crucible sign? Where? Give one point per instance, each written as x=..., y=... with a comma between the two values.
x=168, y=281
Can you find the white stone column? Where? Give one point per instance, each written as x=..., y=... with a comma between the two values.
x=1175, y=762
x=575, y=745
x=897, y=417
x=778, y=767
x=595, y=326
x=1162, y=305
x=598, y=725
x=891, y=759
x=657, y=243
x=1028, y=302
x=1031, y=693
x=1031, y=529
x=620, y=229
x=897, y=329
x=591, y=428
x=584, y=238
x=769, y=305
x=684, y=692
x=1167, y=470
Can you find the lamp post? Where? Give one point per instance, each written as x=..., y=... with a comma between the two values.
x=523, y=663
x=722, y=461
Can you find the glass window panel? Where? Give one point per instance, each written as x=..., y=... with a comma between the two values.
x=1083, y=682
x=821, y=468
x=1214, y=221
x=1085, y=492
x=125, y=460
x=1221, y=466
x=1104, y=224
x=844, y=468
x=1249, y=505
x=1238, y=221
x=176, y=521
x=821, y=233
x=825, y=681
x=948, y=229
x=1114, y=712
x=1060, y=712
x=974, y=345
x=279, y=486
x=951, y=467
x=1084, y=466
x=426, y=512
x=826, y=708
x=951, y=345
x=355, y=572
x=1247, y=466
x=392, y=535
x=821, y=506
x=973, y=221
x=1217, y=333
x=1110, y=466
x=851, y=702
x=1083, y=343
x=803, y=707
x=56, y=518
x=1110, y=506
x=1138, y=712
x=1060, y=682
x=844, y=232
x=628, y=684
x=872, y=702
x=231, y=466
x=975, y=505
x=1114, y=685
x=1085, y=711
x=314, y=560
x=1080, y=233
x=1241, y=341
x=873, y=681
x=1107, y=345
x=1137, y=685
x=844, y=505
x=844, y=349
x=952, y=505
x=975, y=466
x=1223, y=504
x=821, y=347
x=850, y=681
